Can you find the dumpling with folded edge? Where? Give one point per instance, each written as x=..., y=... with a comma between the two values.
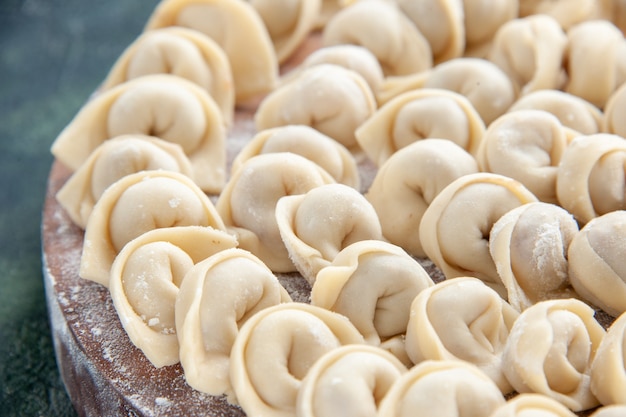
x=248, y=203
x=182, y=52
x=591, y=176
x=111, y=161
x=532, y=405
x=386, y=31
x=145, y=280
x=218, y=295
x=339, y=383
x=162, y=105
x=608, y=369
x=526, y=145
x=444, y=389
x=417, y=115
x=303, y=140
x=461, y=319
x=288, y=22
x=373, y=283
x=136, y=204
x=550, y=350
x=275, y=349
x=329, y=98
x=317, y=225
x=529, y=246
x=404, y=187
x=238, y=30
x=455, y=227
x=597, y=266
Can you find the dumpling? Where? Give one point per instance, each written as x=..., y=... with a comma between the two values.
x=303, y=140
x=443, y=389
x=608, y=369
x=461, y=319
x=612, y=121
x=248, y=203
x=529, y=246
x=372, y=283
x=532, y=405
x=595, y=60
x=420, y=114
x=329, y=98
x=386, y=31
x=550, y=349
x=442, y=24
x=238, y=30
x=572, y=111
x=482, y=82
x=567, y=12
x=591, y=176
x=217, y=296
x=145, y=281
x=482, y=20
x=162, y=105
x=339, y=383
x=525, y=145
x=614, y=11
x=136, y=204
x=275, y=349
x=610, y=411
x=530, y=51
x=288, y=22
x=112, y=160
x=597, y=266
x=404, y=187
x=317, y=225
x=455, y=227
x=182, y=52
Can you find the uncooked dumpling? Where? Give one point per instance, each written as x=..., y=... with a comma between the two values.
x=373, y=284
x=483, y=18
x=608, y=370
x=610, y=411
x=455, y=227
x=386, y=31
x=303, y=140
x=162, y=105
x=248, y=203
x=566, y=12
x=317, y=225
x=613, y=120
x=329, y=98
x=420, y=114
x=532, y=405
x=182, y=52
x=530, y=51
x=461, y=319
x=404, y=187
x=112, y=160
x=238, y=29
x=136, y=204
x=338, y=383
x=591, y=177
x=597, y=265
x=443, y=389
x=550, y=350
x=217, y=296
x=145, y=280
x=275, y=349
x=525, y=145
x=529, y=246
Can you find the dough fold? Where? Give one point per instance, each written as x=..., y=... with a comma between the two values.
x=532, y=405
x=608, y=370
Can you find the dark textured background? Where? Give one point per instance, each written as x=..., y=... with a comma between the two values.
x=53, y=54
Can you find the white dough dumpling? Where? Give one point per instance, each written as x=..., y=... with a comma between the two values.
x=404, y=187
x=317, y=225
x=532, y=405
x=339, y=383
x=161, y=105
x=218, y=295
x=610, y=411
x=612, y=121
x=373, y=284
x=482, y=20
x=550, y=350
x=136, y=204
x=597, y=266
x=608, y=370
x=529, y=245
x=145, y=280
x=111, y=161
x=275, y=349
